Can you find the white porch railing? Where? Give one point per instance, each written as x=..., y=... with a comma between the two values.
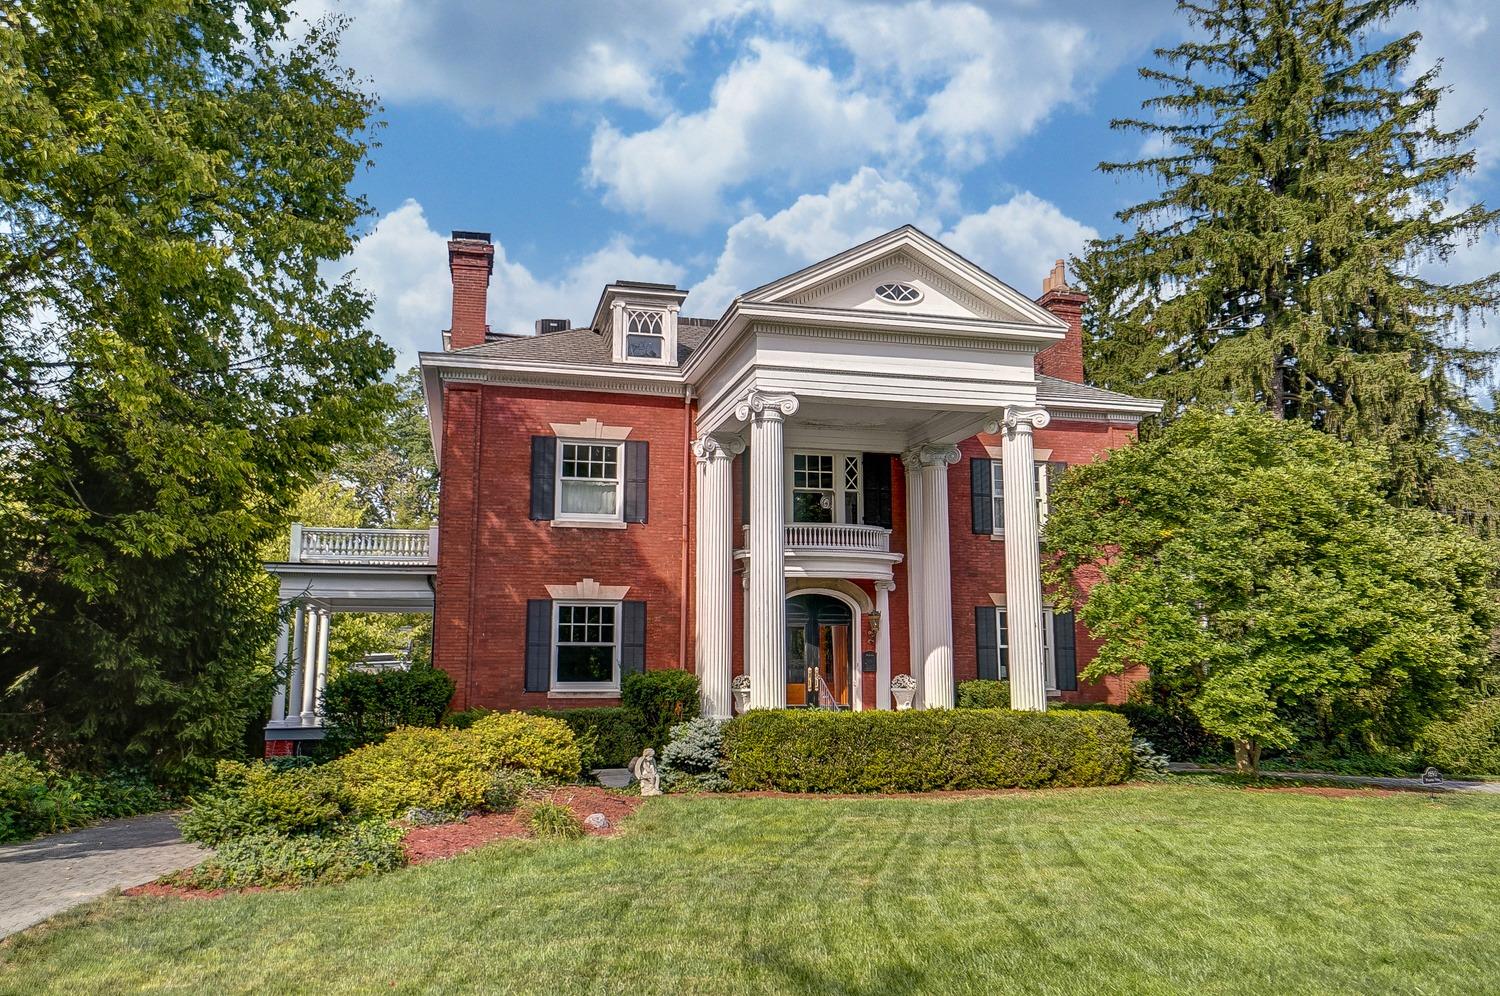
x=831, y=536
x=386, y=547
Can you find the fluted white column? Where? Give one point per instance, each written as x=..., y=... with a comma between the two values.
x=309, y=686
x=300, y=619
x=937, y=583
x=715, y=596
x=917, y=646
x=278, y=699
x=765, y=601
x=883, y=644
x=1023, y=571
x=320, y=680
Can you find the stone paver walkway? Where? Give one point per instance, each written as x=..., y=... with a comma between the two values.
x=43, y=877
x=1408, y=784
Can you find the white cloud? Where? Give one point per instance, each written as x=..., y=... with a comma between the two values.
x=404, y=263
x=503, y=61
x=771, y=114
x=1017, y=240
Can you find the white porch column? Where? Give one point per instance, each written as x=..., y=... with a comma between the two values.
x=883, y=644
x=292, y=714
x=320, y=680
x=765, y=601
x=937, y=583
x=715, y=596
x=1023, y=573
x=278, y=698
x=309, y=685
x=917, y=649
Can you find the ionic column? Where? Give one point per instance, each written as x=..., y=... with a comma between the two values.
x=278, y=699
x=765, y=601
x=320, y=680
x=937, y=584
x=309, y=685
x=1023, y=569
x=917, y=649
x=883, y=644
x=301, y=620
x=715, y=596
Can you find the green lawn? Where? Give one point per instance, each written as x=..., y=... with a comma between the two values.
x=1177, y=888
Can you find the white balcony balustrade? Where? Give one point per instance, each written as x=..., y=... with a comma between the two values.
x=832, y=536
x=379, y=547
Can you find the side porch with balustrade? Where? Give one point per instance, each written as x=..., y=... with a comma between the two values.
x=331, y=570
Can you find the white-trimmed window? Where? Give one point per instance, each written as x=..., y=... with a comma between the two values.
x=1049, y=654
x=586, y=646
x=645, y=335
x=589, y=480
x=997, y=484
x=827, y=487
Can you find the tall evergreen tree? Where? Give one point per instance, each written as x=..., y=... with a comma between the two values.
x=1303, y=185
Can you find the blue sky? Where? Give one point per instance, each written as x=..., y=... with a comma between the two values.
x=722, y=143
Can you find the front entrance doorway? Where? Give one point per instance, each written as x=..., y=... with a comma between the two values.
x=819, y=652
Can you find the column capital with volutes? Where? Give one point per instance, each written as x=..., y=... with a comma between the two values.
x=709, y=448
x=931, y=455
x=760, y=405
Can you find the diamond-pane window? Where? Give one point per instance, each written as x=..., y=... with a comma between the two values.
x=898, y=293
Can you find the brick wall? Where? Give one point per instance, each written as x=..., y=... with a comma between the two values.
x=493, y=558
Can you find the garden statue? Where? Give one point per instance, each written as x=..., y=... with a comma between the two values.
x=644, y=770
x=740, y=687
x=903, y=690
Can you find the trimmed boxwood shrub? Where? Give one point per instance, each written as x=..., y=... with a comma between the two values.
x=517, y=740
x=417, y=768
x=362, y=707
x=983, y=693
x=608, y=736
x=919, y=751
x=664, y=698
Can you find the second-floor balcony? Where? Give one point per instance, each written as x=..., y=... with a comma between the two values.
x=356, y=547
x=833, y=549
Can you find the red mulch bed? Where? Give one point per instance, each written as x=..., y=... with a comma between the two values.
x=424, y=844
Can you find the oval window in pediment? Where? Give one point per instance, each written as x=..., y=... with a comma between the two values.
x=898, y=293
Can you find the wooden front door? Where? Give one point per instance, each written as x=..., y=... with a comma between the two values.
x=819, y=652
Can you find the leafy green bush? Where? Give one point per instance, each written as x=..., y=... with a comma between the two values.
x=880, y=751
x=34, y=800
x=1469, y=745
x=255, y=799
x=270, y=859
x=607, y=736
x=465, y=718
x=664, y=698
x=509, y=786
x=416, y=767
x=517, y=740
x=553, y=821
x=362, y=707
x=984, y=694
x=694, y=756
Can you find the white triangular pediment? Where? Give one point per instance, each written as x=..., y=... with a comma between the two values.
x=948, y=285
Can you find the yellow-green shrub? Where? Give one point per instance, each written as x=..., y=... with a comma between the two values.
x=416, y=767
x=247, y=799
x=517, y=740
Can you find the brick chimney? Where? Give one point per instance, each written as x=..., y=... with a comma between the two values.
x=471, y=260
x=1063, y=360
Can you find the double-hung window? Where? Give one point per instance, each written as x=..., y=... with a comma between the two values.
x=589, y=480
x=827, y=487
x=1049, y=650
x=1039, y=477
x=586, y=650
x=645, y=339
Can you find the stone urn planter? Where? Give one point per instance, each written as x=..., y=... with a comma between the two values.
x=903, y=690
x=740, y=689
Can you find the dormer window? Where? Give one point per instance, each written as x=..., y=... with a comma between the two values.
x=645, y=336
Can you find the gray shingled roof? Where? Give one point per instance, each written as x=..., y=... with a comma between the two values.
x=582, y=346
x=589, y=348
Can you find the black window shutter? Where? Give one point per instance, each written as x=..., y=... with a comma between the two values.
x=1055, y=469
x=543, y=477
x=538, y=644
x=745, y=486
x=1065, y=650
x=986, y=642
x=876, y=472
x=633, y=638
x=982, y=495
x=637, y=479
x=1002, y=631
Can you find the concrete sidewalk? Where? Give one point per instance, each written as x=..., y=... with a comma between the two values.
x=1372, y=781
x=43, y=877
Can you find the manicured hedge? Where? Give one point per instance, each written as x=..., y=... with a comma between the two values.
x=984, y=693
x=609, y=736
x=918, y=751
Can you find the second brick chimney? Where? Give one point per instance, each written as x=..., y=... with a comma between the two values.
x=1063, y=360
x=471, y=260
